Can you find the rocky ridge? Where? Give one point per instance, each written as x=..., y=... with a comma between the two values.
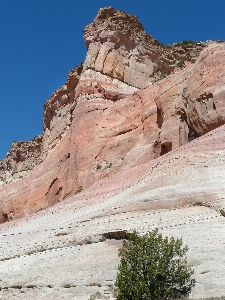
x=121, y=59
x=133, y=140
x=21, y=158
x=86, y=128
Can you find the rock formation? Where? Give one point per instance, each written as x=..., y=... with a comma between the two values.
x=130, y=132
x=69, y=251
x=114, y=112
x=21, y=158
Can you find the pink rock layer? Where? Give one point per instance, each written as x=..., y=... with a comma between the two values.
x=112, y=115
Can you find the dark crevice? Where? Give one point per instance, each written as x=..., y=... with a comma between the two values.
x=5, y=217
x=117, y=235
x=192, y=134
x=52, y=183
x=159, y=117
x=165, y=148
x=59, y=190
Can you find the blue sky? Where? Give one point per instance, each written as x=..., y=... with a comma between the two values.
x=41, y=41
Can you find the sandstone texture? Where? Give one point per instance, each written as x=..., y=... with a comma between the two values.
x=133, y=140
x=104, y=136
x=119, y=47
x=22, y=157
x=69, y=251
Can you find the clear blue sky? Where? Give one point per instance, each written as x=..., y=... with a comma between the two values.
x=41, y=41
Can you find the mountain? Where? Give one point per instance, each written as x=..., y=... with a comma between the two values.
x=133, y=140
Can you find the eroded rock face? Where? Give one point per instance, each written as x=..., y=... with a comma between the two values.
x=70, y=250
x=119, y=47
x=204, y=90
x=21, y=158
x=58, y=110
x=116, y=146
x=101, y=122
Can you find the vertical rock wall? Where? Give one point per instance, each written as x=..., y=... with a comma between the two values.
x=114, y=113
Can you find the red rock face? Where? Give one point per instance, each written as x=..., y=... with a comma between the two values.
x=112, y=115
x=21, y=158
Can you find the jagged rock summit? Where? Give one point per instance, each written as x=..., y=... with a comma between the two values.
x=133, y=140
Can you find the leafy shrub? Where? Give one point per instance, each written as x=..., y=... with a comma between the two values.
x=98, y=167
x=187, y=42
x=108, y=165
x=153, y=267
x=181, y=64
x=80, y=189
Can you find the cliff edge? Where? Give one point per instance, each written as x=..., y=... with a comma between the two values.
x=131, y=101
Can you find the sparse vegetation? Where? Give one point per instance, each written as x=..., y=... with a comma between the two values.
x=40, y=209
x=153, y=268
x=79, y=189
x=98, y=167
x=160, y=75
x=187, y=42
x=181, y=64
x=97, y=295
x=108, y=165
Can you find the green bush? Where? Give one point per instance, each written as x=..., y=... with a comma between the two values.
x=187, y=42
x=108, y=165
x=80, y=189
x=181, y=64
x=153, y=267
x=98, y=167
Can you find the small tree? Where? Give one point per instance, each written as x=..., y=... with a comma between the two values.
x=152, y=267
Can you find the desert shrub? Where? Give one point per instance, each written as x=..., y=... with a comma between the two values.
x=181, y=64
x=187, y=42
x=79, y=189
x=153, y=267
x=108, y=165
x=98, y=167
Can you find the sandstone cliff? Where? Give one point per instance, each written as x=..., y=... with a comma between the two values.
x=69, y=251
x=129, y=102
x=133, y=140
x=21, y=158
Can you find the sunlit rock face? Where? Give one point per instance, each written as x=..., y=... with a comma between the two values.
x=134, y=140
x=70, y=250
x=131, y=101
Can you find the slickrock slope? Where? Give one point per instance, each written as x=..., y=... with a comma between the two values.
x=138, y=128
x=107, y=136
x=69, y=251
x=102, y=121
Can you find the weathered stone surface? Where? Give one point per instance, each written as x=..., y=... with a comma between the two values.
x=130, y=141
x=58, y=110
x=107, y=136
x=121, y=58
x=204, y=90
x=69, y=251
x=111, y=131
x=119, y=47
x=21, y=158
